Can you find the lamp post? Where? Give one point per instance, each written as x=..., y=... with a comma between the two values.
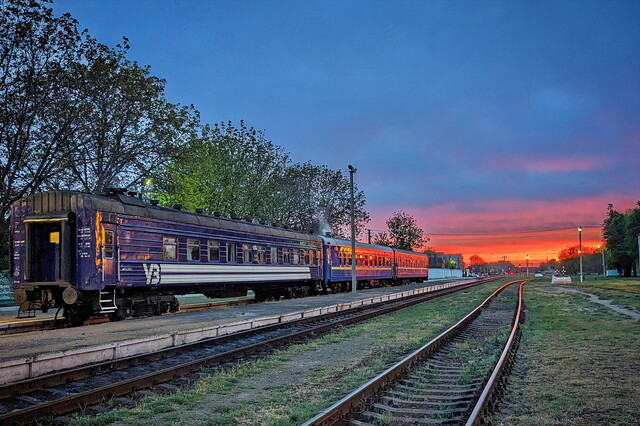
x=580, y=249
x=354, y=281
x=604, y=270
x=527, y=265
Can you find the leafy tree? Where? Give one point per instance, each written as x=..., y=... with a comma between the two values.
x=235, y=171
x=404, y=232
x=451, y=264
x=239, y=173
x=572, y=252
x=618, y=232
x=319, y=199
x=476, y=260
x=38, y=111
x=383, y=239
x=632, y=222
x=127, y=127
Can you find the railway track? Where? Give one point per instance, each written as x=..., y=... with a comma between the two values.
x=28, y=325
x=450, y=380
x=66, y=391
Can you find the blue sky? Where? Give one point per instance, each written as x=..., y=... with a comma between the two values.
x=474, y=116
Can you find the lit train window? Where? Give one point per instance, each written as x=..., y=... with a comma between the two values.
x=231, y=252
x=109, y=246
x=286, y=256
x=296, y=256
x=170, y=248
x=274, y=255
x=214, y=251
x=312, y=257
x=247, y=253
x=262, y=254
x=307, y=257
x=193, y=249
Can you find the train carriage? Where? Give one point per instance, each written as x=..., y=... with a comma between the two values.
x=117, y=255
x=374, y=264
x=411, y=266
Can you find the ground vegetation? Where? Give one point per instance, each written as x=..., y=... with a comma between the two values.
x=587, y=350
x=621, y=232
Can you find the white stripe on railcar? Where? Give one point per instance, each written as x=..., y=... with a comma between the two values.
x=220, y=278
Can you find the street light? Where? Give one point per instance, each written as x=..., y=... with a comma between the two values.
x=527, y=265
x=354, y=281
x=604, y=271
x=580, y=249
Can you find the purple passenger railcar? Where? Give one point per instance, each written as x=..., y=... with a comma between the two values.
x=411, y=266
x=116, y=255
x=374, y=264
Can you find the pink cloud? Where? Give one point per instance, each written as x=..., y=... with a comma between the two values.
x=512, y=228
x=547, y=164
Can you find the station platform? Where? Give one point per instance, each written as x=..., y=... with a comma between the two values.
x=33, y=344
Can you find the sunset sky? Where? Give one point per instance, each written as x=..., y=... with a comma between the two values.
x=500, y=125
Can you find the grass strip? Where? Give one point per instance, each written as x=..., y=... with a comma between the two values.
x=578, y=362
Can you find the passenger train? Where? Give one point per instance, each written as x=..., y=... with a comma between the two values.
x=114, y=254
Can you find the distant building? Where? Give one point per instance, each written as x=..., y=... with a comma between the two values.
x=439, y=260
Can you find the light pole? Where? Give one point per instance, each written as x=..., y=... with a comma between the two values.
x=354, y=281
x=527, y=265
x=580, y=249
x=604, y=270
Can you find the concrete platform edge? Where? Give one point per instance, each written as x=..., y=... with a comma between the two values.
x=14, y=370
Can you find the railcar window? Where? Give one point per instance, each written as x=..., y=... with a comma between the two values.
x=247, y=253
x=193, y=249
x=170, y=248
x=307, y=257
x=286, y=256
x=109, y=246
x=262, y=254
x=231, y=252
x=274, y=255
x=214, y=250
x=296, y=256
x=312, y=257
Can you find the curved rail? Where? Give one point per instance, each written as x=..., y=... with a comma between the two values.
x=337, y=412
x=484, y=404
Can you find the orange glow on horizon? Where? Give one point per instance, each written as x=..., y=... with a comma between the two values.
x=540, y=246
x=491, y=229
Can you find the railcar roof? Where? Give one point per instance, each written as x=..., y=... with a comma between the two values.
x=339, y=242
x=66, y=201
x=411, y=252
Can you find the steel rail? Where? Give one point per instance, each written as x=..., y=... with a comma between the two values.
x=336, y=413
x=73, y=402
x=481, y=408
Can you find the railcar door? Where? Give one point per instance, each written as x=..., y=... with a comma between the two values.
x=110, y=255
x=48, y=249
